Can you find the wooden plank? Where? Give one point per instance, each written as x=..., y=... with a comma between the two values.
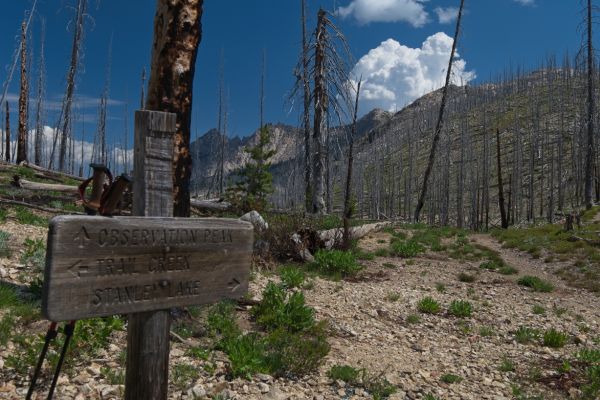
x=98, y=266
x=147, y=373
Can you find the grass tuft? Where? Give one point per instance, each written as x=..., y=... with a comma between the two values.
x=537, y=284
x=428, y=305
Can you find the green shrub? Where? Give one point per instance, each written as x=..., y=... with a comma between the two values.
x=246, y=355
x=278, y=310
x=428, y=305
x=291, y=276
x=537, y=284
x=26, y=217
x=184, y=375
x=460, y=308
x=8, y=296
x=466, y=278
x=526, y=334
x=538, y=310
x=486, y=331
x=4, y=247
x=3, y=214
x=508, y=270
x=450, y=378
x=336, y=263
x=413, y=319
x=221, y=320
x=381, y=253
x=405, y=249
x=344, y=373
x=490, y=265
x=506, y=365
x=555, y=339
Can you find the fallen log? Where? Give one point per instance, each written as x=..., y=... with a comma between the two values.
x=36, y=207
x=25, y=184
x=50, y=172
x=332, y=236
x=213, y=205
x=588, y=241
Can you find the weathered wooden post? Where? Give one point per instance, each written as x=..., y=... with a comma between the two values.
x=145, y=264
x=147, y=374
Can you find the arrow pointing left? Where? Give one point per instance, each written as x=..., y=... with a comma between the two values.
x=78, y=270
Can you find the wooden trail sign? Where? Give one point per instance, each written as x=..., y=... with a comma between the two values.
x=99, y=266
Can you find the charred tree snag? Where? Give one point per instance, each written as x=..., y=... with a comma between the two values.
x=503, y=216
x=440, y=120
x=23, y=99
x=177, y=34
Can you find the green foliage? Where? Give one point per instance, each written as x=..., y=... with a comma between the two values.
x=440, y=287
x=538, y=310
x=506, y=365
x=278, y=309
x=555, y=339
x=26, y=217
x=291, y=276
x=508, y=270
x=378, y=387
x=198, y=352
x=460, y=308
x=113, y=376
x=4, y=240
x=344, y=373
x=413, y=319
x=381, y=253
x=183, y=375
x=525, y=334
x=8, y=296
x=293, y=344
x=428, y=305
x=486, y=331
x=450, y=378
x=466, y=278
x=255, y=181
x=335, y=263
x=537, y=284
x=35, y=257
x=405, y=249
x=3, y=214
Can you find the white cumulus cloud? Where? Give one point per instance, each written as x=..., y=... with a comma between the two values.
x=446, y=15
x=366, y=11
x=394, y=75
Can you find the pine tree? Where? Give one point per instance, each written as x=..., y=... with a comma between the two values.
x=255, y=181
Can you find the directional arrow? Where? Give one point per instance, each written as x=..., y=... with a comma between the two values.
x=233, y=284
x=79, y=270
x=82, y=237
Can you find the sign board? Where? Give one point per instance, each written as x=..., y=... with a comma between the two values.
x=99, y=266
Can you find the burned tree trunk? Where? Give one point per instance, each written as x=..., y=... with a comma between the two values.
x=589, y=154
x=177, y=34
x=321, y=107
x=348, y=191
x=306, y=115
x=7, y=129
x=77, y=38
x=440, y=120
x=39, y=124
x=503, y=216
x=23, y=99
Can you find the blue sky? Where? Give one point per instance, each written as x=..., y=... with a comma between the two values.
x=496, y=34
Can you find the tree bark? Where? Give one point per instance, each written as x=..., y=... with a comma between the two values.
x=7, y=133
x=306, y=116
x=177, y=34
x=440, y=120
x=321, y=104
x=23, y=99
x=503, y=216
x=589, y=155
x=348, y=191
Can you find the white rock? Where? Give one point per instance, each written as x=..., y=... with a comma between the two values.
x=263, y=387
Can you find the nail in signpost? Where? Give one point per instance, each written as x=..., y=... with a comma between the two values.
x=146, y=264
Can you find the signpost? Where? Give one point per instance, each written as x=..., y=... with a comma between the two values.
x=144, y=265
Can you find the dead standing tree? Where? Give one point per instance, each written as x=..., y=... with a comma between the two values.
x=348, y=191
x=306, y=114
x=440, y=120
x=330, y=93
x=68, y=102
x=39, y=123
x=23, y=99
x=589, y=153
x=177, y=34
